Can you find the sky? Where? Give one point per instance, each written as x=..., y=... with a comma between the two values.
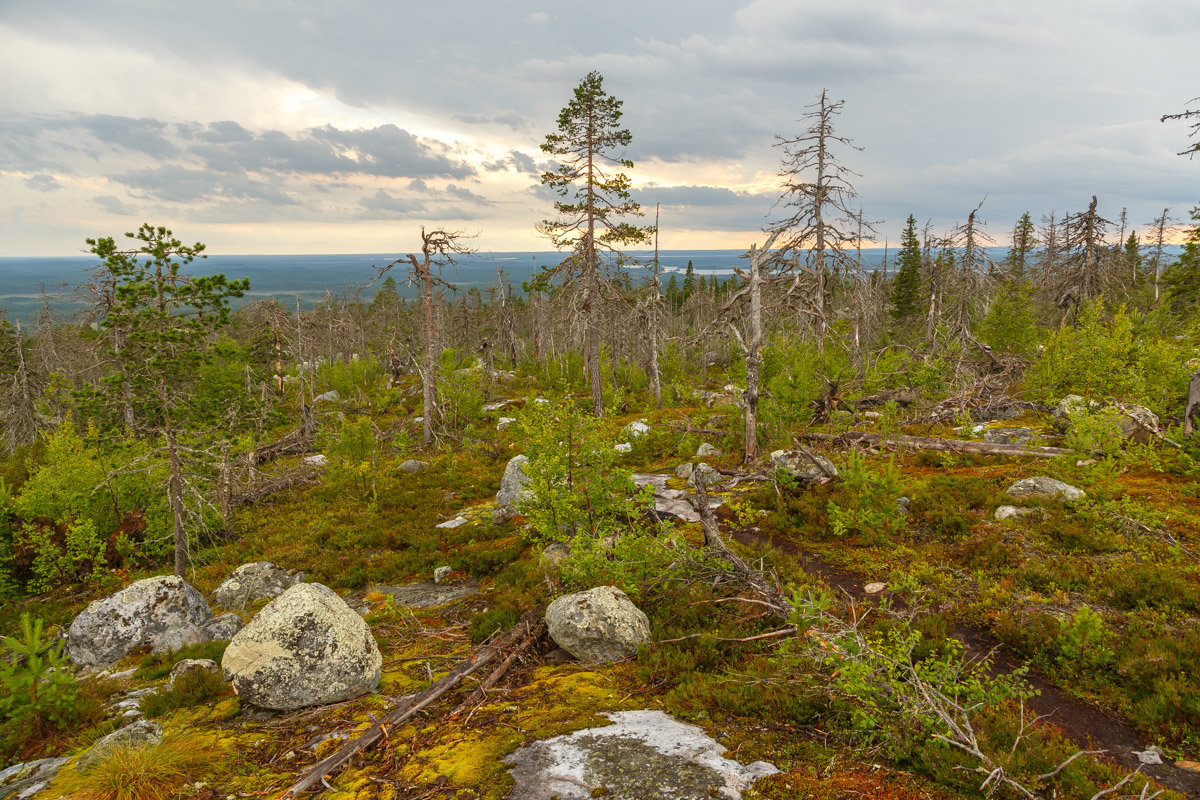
x=306, y=126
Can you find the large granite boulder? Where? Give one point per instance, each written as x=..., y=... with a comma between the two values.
x=512, y=489
x=1044, y=487
x=804, y=465
x=597, y=625
x=254, y=581
x=305, y=648
x=163, y=612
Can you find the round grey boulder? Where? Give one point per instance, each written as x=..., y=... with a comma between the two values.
x=597, y=625
x=1042, y=486
x=305, y=648
x=161, y=612
x=255, y=581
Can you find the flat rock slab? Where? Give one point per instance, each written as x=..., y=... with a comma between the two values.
x=21, y=781
x=428, y=594
x=643, y=755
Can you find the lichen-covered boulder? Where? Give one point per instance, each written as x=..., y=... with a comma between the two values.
x=257, y=580
x=1041, y=486
x=512, y=489
x=1137, y=422
x=21, y=781
x=162, y=612
x=305, y=648
x=804, y=465
x=710, y=474
x=705, y=449
x=1070, y=406
x=597, y=625
x=412, y=466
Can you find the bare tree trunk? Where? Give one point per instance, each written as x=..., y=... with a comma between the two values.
x=654, y=310
x=175, y=495
x=429, y=365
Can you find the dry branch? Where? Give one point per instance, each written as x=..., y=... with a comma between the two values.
x=514, y=641
x=772, y=597
x=851, y=438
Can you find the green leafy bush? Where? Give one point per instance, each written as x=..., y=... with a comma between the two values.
x=1103, y=357
x=191, y=689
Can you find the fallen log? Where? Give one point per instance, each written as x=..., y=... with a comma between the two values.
x=851, y=438
x=514, y=641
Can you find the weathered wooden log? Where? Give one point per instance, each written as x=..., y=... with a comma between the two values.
x=851, y=438
x=521, y=636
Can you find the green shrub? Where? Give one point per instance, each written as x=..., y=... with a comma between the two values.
x=1083, y=642
x=158, y=665
x=1102, y=357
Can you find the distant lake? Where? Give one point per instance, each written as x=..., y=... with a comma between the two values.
x=309, y=277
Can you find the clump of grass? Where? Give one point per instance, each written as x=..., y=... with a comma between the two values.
x=192, y=689
x=158, y=665
x=143, y=773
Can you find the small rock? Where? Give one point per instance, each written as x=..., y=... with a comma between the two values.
x=440, y=573
x=224, y=627
x=257, y=580
x=143, y=733
x=190, y=665
x=706, y=449
x=1009, y=435
x=332, y=396
x=504, y=422
x=1151, y=755
x=1086, y=462
x=1011, y=512
x=684, y=471
x=541, y=401
x=872, y=415
x=1042, y=486
x=597, y=625
x=623, y=447
x=512, y=485
x=457, y=522
x=319, y=460
x=412, y=466
x=636, y=429
x=875, y=587
x=556, y=553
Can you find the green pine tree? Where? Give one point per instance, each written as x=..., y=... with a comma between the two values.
x=906, y=288
x=1182, y=278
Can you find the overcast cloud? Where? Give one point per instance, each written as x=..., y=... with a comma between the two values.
x=282, y=126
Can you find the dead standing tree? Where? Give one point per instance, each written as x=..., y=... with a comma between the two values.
x=818, y=200
x=438, y=249
x=750, y=341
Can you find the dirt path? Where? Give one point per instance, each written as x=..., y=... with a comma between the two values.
x=1088, y=726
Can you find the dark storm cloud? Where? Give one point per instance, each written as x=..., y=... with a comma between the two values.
x=177, y=184
x=385, y=151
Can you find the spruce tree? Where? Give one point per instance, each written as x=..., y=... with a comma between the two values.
x=906, y=289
